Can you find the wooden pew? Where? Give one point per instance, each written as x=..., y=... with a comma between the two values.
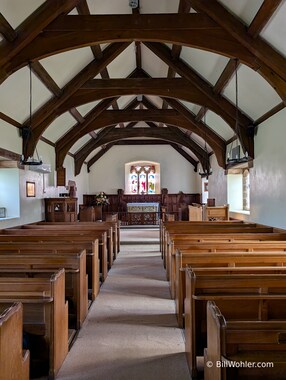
x=230, y=342
x=45, y=315
x=38, y=265
x=14, y=361
x=49, y=247
x=217, y=213
x=239, y=296
x=96, y=245
x=186, y=225
x=223, y=241
x=251, y=242
x=230, y=260
x=206, y=230
x=112, y=229
x=55, y=234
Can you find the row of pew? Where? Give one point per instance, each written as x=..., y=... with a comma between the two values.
x=228, y=280
x=49, y=275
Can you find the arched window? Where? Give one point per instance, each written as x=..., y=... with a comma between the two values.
x=142, y=179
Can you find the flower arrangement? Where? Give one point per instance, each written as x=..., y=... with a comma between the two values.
x=101, y=199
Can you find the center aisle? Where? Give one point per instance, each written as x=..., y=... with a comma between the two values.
x=131, y=330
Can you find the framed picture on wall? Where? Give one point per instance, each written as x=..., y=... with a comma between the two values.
x=206, y=186
x=30, y=189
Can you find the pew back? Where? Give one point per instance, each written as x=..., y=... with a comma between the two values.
x=14, y=362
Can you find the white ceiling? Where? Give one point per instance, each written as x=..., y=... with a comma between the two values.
x=256, y=96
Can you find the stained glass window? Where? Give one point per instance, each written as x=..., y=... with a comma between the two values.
x=151, y=182
x=142, y=182
x=134, y=182
x=142, y=179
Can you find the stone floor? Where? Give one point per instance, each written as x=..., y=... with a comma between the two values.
x=131, y=330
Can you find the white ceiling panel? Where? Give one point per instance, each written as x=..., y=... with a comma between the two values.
x=156, y=100
x=64, y=66
x=218, y=125
x=59, y=127
x=255, y=95
x=153, y=65
x=18, y=106
x=92, y=154
x=109, y=6
x=209, y=65
x=162, y=6
x=124, y=64
x=16, y=11
x=244, y=9
x=201, y=142
x=275, y=32
x=80, y=143
x=85, y=108
x=141, y=124
x=191, y=106
x=190, y=153
x=123, y=101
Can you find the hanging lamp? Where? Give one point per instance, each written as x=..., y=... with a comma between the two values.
x=233, y=156
x=27, y=132
x=206, y=168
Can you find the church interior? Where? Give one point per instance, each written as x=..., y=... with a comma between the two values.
x=142, y=189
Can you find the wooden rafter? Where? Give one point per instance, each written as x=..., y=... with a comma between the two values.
x=91, y=116
x=48, y=112
x=184, y=7
x=266, y=55
x=201, y=129
x=6, y=29
x=45, y=78
x=176, y=87
x=262, y=17
x=107, y=118
x=32, y=26
x=118, y=134
x=83, y=9
x=194, y=30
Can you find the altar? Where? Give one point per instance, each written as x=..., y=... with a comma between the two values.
x=143, y=213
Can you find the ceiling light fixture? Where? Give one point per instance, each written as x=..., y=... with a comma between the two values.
x=206, y=168
x=134, y=3
x=27, y=132
x=233, y=156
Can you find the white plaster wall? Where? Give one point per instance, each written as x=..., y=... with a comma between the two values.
x=217, y=183
x=268, y=176
x=82, y=179
x=177, y=174
x=32, y=209
x=10, y=138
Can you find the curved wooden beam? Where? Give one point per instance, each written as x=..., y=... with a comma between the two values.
x=193, y=30
x=165, y=134
x=71, y=32
x=172, y=88
x=107, y=118
x=177, y=88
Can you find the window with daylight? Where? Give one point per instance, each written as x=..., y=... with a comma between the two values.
x=142, y=179
x=238, y=190
x=246, y=190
